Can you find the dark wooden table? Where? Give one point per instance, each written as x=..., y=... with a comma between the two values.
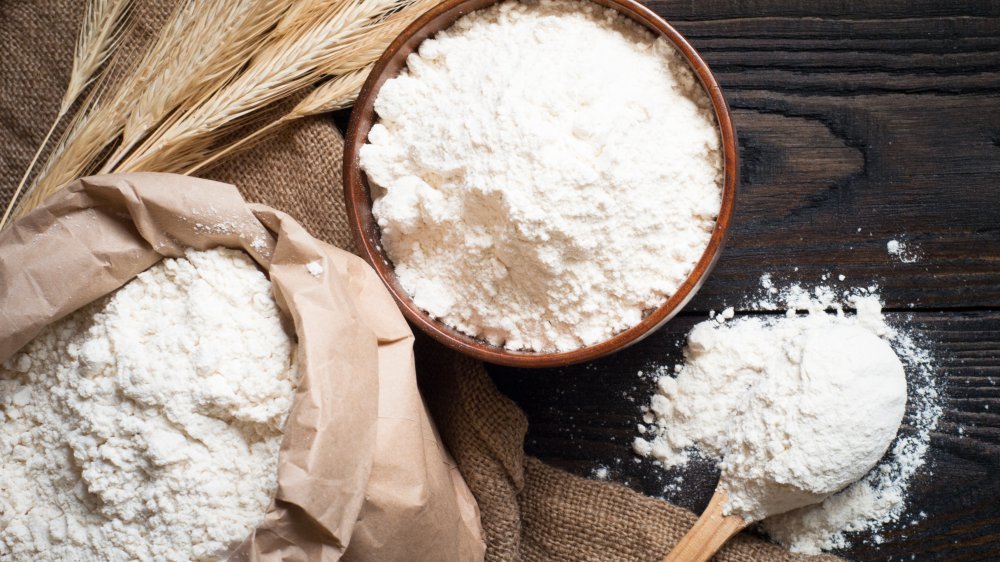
x=878, y=116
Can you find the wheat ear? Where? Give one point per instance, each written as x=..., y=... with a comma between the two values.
x=101, y=31
x=332, y=95
x=86, y=139
x=363, y=49
x=161, y=79
x=337, y=93
x=204, y=77
x=203, y=47
x=282, y=68
x=103, y=26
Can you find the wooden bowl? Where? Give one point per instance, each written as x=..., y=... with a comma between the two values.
x=368, y=237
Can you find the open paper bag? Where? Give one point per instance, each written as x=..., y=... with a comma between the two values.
x=362, y=472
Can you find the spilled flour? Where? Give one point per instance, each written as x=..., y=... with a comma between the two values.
x=903, y=251
x=734, y=401
x=147, y=425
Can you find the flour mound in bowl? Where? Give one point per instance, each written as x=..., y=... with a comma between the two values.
x=544, y=174
x=147, y=425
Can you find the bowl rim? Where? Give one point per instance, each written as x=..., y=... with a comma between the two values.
x=366, y=234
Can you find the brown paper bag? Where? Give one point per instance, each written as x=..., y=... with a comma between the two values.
x=362, y=472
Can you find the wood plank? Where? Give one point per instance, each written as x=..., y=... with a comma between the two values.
x=823, y=9
x=584, y=417
x=881, y=118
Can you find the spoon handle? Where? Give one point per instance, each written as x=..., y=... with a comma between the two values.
x=708, y=534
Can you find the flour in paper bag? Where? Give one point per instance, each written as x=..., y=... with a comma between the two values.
x=147, y=425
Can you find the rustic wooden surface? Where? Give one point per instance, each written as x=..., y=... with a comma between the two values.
x=859, y=123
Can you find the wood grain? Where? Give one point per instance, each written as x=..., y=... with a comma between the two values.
x=881, y=118
x=584, y=417
x=859, y=123
x=712, y=530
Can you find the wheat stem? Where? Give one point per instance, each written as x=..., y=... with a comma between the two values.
x=215, y=66
x=103, y=26
x=333, y=95
x=244, y=142
x=31, y=166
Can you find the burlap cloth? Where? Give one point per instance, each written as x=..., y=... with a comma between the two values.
x=530, y=511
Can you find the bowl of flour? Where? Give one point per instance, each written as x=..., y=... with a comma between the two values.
x=540, y=183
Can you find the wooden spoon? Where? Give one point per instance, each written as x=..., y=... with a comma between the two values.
x=709, y=532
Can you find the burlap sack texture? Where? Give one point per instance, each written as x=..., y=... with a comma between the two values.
x=530, y=511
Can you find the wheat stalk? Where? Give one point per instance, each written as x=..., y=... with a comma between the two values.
x=333, y=95
x=213, y=68
x=163, y=79
x=86, y=139
x=102, y=28
x=288, y=65
x=221, y=35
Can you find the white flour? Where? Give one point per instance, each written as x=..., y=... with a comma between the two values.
x=546, y=173
x=903, y=251
x=315, y=268
x=794, y=408
x=147, y=425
